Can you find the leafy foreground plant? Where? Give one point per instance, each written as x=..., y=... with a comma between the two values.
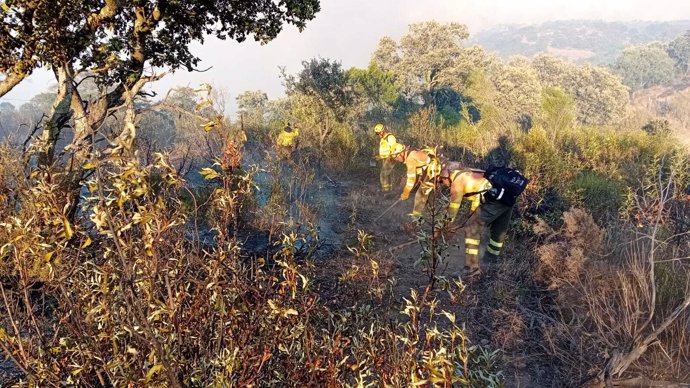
x=128, y=296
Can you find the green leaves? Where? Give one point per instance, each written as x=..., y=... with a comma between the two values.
x=645, y=66
x=429, y=56
x=325, y=80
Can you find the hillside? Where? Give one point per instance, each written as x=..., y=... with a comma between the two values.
x=670, y=103
x=578, y=40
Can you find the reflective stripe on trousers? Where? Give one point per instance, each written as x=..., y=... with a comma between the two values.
x=494, y=247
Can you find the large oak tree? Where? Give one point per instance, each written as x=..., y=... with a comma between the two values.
x=116, y=41
x=115, y=44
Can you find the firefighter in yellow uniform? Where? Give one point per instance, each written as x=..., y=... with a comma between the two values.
x=485, y=212
x=423, y=166
x=287, y=141
x=389, y=148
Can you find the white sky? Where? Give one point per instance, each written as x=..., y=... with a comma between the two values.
x=348, y=31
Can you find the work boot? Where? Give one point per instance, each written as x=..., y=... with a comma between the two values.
x=471, y=273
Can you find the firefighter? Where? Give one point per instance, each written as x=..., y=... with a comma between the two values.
x=485, y=212
x=389, y=148
x=287, y=141
x=423, y=166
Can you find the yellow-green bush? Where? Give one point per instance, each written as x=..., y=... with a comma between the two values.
x=343, y=150
x=547, y=167
x=600, y=194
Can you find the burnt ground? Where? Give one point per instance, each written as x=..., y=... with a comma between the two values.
x=343, y=206
x=506, y=309
x=490, y=306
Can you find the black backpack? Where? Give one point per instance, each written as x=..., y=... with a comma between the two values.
x=506, y=185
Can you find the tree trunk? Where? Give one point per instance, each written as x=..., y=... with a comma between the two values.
x=60, y=114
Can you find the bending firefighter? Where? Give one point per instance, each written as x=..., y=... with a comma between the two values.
x=389, y=148
x=493, y=194
x=423, y=166
x=287, y=141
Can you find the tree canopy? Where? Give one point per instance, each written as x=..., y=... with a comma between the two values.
x=600, y=96
x=114, y=39
x=679, y=51
x=645, y=66
x=427, y=57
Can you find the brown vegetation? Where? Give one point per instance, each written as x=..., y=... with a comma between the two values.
x=157, y=248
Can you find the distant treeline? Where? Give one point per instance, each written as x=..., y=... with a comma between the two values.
x=592, y=41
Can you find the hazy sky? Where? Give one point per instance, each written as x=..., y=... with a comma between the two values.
x=348, y=30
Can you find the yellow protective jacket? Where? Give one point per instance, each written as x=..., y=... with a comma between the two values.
x=423, y=165
x=287, y=139
x=389, y=146
x=462, y=183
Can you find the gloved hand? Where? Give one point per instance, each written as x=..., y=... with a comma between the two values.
x=416, y=217
x=404, y=196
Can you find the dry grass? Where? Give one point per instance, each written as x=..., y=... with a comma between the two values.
x=603, y=307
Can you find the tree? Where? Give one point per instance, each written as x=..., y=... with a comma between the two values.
x=374, y=91
x=645, y=66
x=448, y=103
x=518, y=88
x=116, y=38
x=425, y=59
x=374, y=84
x=114, y=41
x=553, y=71
x=325, y=80
x=600, y=96
x=679, y=51
x=320, y=97
x=252, y=106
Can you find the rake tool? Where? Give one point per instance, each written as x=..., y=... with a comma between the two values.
x=387, y=210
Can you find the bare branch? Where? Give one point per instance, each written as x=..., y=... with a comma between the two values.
x=10, y=81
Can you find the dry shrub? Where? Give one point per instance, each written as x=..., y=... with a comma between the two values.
x=582, y=230
x=561, y=261
x=602, y=315
x=604, y=309
x=231, y=156
x=8, y=175
x=366, y=271
x=423, y=128
x=627, y=313
x=123, y=296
